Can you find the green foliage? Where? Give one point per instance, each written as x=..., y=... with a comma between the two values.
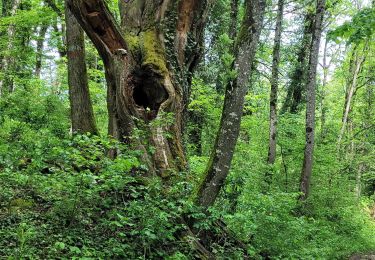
x=63, y=197
x=104, y=206
x=359, y=29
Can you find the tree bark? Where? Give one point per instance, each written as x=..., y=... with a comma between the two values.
x=310, y=107
x=274, y=84
x=222, y=152
x=81, y=111
x=234, y=19
x=148, y=65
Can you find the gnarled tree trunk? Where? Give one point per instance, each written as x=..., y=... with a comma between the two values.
x=148, y=64
x=226, y=139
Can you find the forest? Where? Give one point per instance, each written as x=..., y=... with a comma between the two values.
x=187, y=129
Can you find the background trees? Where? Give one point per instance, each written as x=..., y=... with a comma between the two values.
x=156, y=73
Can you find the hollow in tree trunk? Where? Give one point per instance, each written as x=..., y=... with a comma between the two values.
x=148, y=65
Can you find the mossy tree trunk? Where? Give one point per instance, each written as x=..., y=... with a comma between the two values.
x=149, y=62
x=226, y=139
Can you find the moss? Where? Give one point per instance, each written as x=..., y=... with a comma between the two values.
x=153, y=53
x=132, y=41
x=20, y=204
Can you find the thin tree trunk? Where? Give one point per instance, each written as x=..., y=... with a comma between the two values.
x=358, y=61
x=7, y=59
x=274, y=84
x=82, y=114
x=310, y=107
x=39, y=49
x=148, y=68
x=325, y=67
x=222, y=152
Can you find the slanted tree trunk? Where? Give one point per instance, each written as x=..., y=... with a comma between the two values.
x=274, y=84
x=222, y=152
x=299, y=73
x=81, y=111
x=7, y=60
x=39, y=49
x=310, y=97
x=148, y=66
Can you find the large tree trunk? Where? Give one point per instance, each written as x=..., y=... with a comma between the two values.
x=81, y=110
x=148, y=64
x=274, y=84
x=299, y=73
x=7, y=60
x=222, y=152
x=310, y=107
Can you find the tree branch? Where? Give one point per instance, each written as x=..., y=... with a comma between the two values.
x=99, y=24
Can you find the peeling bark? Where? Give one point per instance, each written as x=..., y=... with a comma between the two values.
x=310, y=97
x=222, y=153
